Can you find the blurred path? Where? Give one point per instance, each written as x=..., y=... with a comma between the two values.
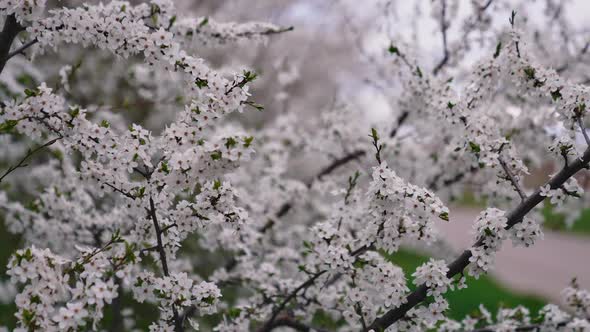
x=544, y=269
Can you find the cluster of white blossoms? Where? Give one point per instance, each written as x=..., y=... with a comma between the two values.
x=84, y=286
x=558, y=195
x=23, y=10
x=490, y=231
x=399, y=211
x=125, y=208
x=177, y=289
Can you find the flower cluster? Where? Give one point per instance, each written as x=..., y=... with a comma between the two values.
x=399, y=210
x=489, y=229
x=175, y=291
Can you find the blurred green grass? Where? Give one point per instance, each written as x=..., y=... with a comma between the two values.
x=556, y=221
x=463, y=302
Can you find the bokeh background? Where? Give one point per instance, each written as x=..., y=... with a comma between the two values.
x=331, y=56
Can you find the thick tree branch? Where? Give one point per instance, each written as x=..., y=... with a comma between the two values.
x=9, y=32
x=459, y=264
x=178, y=326
x=583, y=129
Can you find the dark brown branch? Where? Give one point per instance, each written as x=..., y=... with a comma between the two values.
x=21, y=163
x=269, y=325
x=339, y=163
x=21, y=49
x=121, y=191
x=178, y=327
x=400, y=121
x=9, y=32
x=443, y=29
x=459, y=264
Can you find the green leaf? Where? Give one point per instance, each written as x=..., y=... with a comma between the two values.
x=529, y=72
x=164, y=167
x=204, y=22
x=393, y=49
x=248, y=141
x=248, y=77
x=418, y=72
x=216, y=155
x=444, y=216
x=8, y=125
x=556, y=94
x=234, y=312
x=201, y=83
x=230, y=143
x=374, y=134
x=498, y=49
x=450, y=105
x=216, y=184
x=74, y=112
x=474, y=147
x=255, y=105
x=105, y=124
x=31, y=93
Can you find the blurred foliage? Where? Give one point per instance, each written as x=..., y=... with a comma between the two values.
x=556, y=221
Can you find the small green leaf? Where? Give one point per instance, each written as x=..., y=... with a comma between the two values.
x=556, y=94
x=230, y=143
x=8, y=125
x=444, y=216
x=418, y=72
x=204, y=22
x=474, y=147
x=529, y=72
x=201, y=83
x=255, y=105
x=216, y=155
x=498, y=49
x=30, y=93
x=248, y=141
x=105, y=124
x=393, y=49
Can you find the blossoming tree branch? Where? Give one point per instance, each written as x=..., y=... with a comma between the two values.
x=201, y=218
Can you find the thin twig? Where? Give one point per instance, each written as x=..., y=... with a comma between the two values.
x=21, y=49
x=512, y=179
x=27, y=156
x=269, y=325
